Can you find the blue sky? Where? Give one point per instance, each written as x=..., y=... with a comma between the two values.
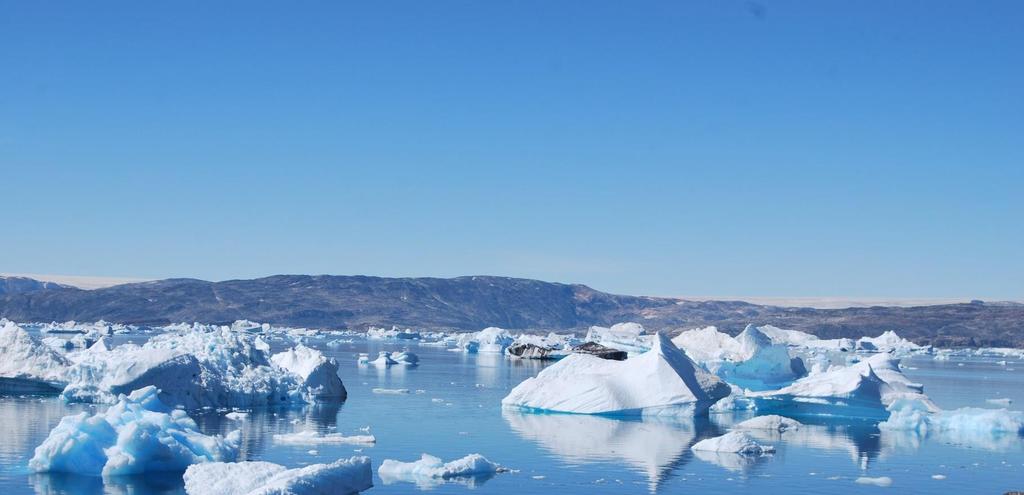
x=669, y=148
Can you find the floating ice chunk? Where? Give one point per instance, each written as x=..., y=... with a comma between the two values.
x=237, y=416
x=938, y=477
x=660, y=381
x=1000, y=402
x=735, y=401
x=734, y=442
x=405, y=357
x=430, y=467
x=769, y=422
x=391, y=391
x=136, y=435
x=319, y=373
x=488, y=340
x=28, y=365
x=965, y=426
x=629, y=337
x=864, y=389
x=374, y=333
x=888, y=342
x=312, y=437
x=880, y=481
x=342, y=477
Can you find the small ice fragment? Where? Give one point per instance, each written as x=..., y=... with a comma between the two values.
x=391, y=391
x=879, y=481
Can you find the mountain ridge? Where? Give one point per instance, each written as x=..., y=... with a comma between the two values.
x=476, y=301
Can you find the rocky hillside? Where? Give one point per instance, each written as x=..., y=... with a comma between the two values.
x=475, y=302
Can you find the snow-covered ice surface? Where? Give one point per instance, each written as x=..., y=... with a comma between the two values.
x=341, y=477
x=661, y=381
x=137, y=435
x=560, y=453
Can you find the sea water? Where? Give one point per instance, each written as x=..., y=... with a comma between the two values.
x=453, y=409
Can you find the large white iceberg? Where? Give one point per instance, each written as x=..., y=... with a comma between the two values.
x=27, y=365
x=205, y=366
x=864, y=389
x=342, y=477
x=660, y=381
x=319, y=373
x=138, y=434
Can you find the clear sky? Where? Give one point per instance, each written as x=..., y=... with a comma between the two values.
x=709, y=147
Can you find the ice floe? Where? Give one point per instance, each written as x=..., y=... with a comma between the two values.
x=312, y=437
x=342, y=477
x=428, y=469
x=771, y=422
x=660, y=381
x=734, y=442
x=138, y=434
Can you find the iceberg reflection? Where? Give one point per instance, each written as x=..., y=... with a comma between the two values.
x=654, y=447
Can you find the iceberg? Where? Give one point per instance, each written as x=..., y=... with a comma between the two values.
x=762, y=364
x=770, y=422
x=965, y=426
x=311, y=437
x=660, y=381
x=29, y=366
x=796, y=338
x=864, y=389
x=374, y=333
x=888, y=342
x=751, y=359
x=342, y=477
x=734, y=442
x=319, y=373
x=488, y=340
x=708, y=345
x=430, y=468
x=205, y=367
x=629, y=337
x=138, y=434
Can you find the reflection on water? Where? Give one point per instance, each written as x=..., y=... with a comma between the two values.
x=426, y=483
x=654, y=447
x=73, y=484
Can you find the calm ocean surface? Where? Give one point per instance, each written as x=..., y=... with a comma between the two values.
x=454, y=409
